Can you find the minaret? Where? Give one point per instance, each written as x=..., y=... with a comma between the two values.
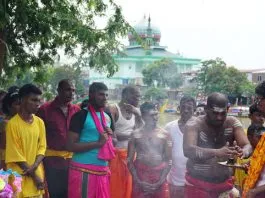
x=149, y=22
x=149, y=37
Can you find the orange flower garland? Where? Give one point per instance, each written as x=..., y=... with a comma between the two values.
x=256, y=165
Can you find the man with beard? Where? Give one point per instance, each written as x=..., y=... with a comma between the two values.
x=56, y=116
x=89, y=138
x=176, y=176
x=127, y=118
x=208, y=140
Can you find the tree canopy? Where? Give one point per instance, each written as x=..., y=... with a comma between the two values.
x=53, y=76
x=32, y=32
x=155, y=94
x=216, y=76
x=163, y=72
x=66, y=72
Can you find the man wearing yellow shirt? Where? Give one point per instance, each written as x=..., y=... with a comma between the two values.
x=26, y=143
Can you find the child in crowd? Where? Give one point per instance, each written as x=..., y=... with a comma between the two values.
x=255, y=115
x=256, y=170
x=254, y=134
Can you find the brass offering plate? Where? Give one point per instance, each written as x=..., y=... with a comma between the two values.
x=236, y=165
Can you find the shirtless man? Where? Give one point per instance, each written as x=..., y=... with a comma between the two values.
x=127, y=117
x=152, y=149
x=210, y=139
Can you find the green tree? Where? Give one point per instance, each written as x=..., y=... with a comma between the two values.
x=67, y=72
x=30, y=76
x=190, y=90
x=163, y=72
x=210, y=74
x=155, y=94
x=216, y=76
x=31, y=32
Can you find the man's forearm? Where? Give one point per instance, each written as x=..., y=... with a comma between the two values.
x=133, y=171
x=164, y=175
x=138, y=121
x=23, y=165
x=247, y=150
x=198, y=153
x=38, y=160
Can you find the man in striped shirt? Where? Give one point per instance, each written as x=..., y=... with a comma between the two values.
x=208, y=140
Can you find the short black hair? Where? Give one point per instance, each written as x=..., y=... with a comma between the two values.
x=8, y=100
x=260, y=89
x=84, y=104
x=97, y=86
x=63, y=82
x=255, y=130
x=147, y=106
x=128, y=89
x=185, y=99
x=218, y=99
x=253, y=108
x=28, y=89
x=13, y=89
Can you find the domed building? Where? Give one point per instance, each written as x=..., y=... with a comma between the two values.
x=137, y=55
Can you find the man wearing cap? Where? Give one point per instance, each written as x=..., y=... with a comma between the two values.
x=209, y=139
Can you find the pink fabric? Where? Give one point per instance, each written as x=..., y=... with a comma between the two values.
x=203, y=189
x=90, y=167
x=97, y=186
x=107, y=151
x=7, y=192
x=149, y=175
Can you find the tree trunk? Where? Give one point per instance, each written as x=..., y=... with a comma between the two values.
x=2, y=51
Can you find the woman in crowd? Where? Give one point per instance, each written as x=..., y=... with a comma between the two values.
x=10, y=107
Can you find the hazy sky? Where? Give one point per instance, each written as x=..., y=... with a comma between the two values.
x=231, y=29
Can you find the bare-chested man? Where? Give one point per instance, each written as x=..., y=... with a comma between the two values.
x=210, y=139
x=127, y=117
x=152, y=149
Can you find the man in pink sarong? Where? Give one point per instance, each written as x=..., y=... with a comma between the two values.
x=152, y=148
x=89, y=171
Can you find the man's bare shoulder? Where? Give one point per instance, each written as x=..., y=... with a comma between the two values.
x=111, y=105
x=232, y=121
x=112, y=108
x=195, y=121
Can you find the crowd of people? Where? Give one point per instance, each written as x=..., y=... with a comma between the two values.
x=101, y=150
